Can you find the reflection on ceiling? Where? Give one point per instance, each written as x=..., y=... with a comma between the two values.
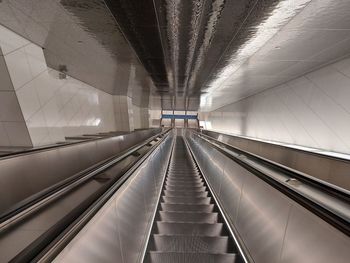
x=182, y=54
x=223, y=51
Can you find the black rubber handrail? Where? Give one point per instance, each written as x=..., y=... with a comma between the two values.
x=53, y=146
x=318, y=154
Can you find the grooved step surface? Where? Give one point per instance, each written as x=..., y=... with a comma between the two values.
x=185, y=188
x=186, y=200
x=187, y=207
x=185, y=193
x=187, y=228
x=186, y=243
x=178, y=257
x=188, y=217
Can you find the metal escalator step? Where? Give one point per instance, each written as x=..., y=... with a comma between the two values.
x=175, y=177
x=187, y=207
x=184, y=183
x=194, y=180
x=187, y=228
x=191, y=229
x=185, y=188
x=184, y=172
x=183, y=175
x=178, y=176
x=178, y=257
x=185, y=193
x=187, y=200
x=196, y=217
x=184, y=243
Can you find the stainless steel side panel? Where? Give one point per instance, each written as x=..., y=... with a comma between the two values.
x=262, y=218
x=23, y=176
x=231, y=187
x=273, y=227
x=331, y=170
x=310, y=239
x=118, y=231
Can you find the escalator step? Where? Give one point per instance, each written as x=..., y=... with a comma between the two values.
x=185, y=188
x=183, y=184
x=176, y=257
x=184, y=243
x=187, y=227
x=187, y=200
x=196, y=217
x=185, y=193
x=193, y=229
x=187, y=207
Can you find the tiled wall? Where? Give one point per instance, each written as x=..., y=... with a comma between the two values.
x=312, y=111
x=128, y=115
x=123, y=111
x=52, y=108
x=141, y=117
x=13, y=130
x=154, y=118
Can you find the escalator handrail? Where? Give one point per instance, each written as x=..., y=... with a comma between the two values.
x=148, y=235
x=326, y=212
x=242, y=249
x=48, y=245
x=330, y=188
x=34, y=203
x=27, y=151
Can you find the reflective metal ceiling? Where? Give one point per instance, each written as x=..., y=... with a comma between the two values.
x=224, y=51
x=199, y=53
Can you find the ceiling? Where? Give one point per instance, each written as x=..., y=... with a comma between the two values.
x=181, y=54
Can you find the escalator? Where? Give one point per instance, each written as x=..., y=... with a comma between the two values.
x=188, y=226
x=25, y=230
x=187, y=202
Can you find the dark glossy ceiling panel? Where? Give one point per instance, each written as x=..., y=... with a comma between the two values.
x=223, y=51
x=186, y=54
x=197, y=35
x=138, y=21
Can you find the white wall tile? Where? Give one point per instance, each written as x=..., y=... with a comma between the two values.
x=334, y=84
x=4, y=139
x=44, y=87
x=312, y=111
x=343, y=66
x=54, y=108
x=28, y=99
x=37, y=128
x=17, y=133
x=10, y=41
x=18, y=68
x=9, y=107
x=51, y=113
x=36, y=59
x=5, y=83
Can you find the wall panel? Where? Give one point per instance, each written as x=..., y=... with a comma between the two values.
x=312, y=111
